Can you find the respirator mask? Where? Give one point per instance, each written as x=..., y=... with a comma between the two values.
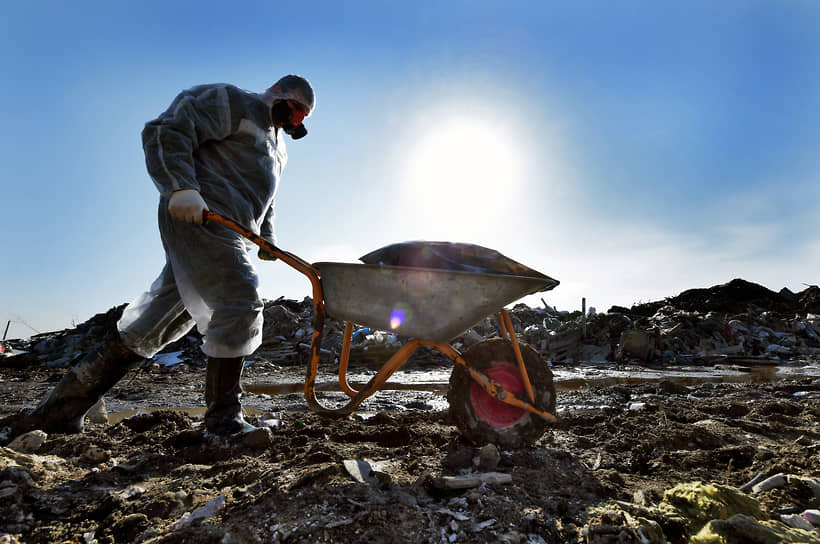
x=290, y=119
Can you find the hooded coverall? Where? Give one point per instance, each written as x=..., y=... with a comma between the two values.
x=220, y=140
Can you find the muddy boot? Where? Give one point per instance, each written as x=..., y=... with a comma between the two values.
x=84, y=384
x=224, y=412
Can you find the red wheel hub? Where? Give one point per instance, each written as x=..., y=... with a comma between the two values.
x=494, y=412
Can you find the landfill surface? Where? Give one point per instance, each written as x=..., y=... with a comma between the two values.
x=691, y=419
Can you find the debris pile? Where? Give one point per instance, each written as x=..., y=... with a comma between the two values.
x=737, y=321
x=287, y=329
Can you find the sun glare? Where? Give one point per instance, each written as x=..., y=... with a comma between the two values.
x=461, y=173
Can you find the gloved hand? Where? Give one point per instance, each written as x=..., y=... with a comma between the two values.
x=187, y=205
x=264, y=255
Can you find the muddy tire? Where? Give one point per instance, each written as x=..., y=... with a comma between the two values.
x=482, y=419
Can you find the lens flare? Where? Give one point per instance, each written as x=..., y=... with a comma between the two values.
x=396, y=318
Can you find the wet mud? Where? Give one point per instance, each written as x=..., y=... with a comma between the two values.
x=153, y=475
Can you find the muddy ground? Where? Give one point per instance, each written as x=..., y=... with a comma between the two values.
x=617, y=449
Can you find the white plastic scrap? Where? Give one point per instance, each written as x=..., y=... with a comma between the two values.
x=778, y=480
x=132, y=491
x=359, y=470
x=205, y=511
x=478, y=527
x=456, y=515
x=796, y=521
x=28, y=442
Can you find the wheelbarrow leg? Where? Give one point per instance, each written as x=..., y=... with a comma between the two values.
x=372, y=387
x=343, y=361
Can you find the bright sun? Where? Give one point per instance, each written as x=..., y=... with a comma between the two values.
x=460, y=174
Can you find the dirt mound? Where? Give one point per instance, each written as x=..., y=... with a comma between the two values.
x=733, y=297
x=736, y=296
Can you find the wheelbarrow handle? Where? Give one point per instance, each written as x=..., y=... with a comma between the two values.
x=285, y=256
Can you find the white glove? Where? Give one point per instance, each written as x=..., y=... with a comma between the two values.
x=186, y=205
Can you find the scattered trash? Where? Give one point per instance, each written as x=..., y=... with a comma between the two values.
x=747, y=487
x=132, y=491
x=488, y=458
x=797, y=521
x=361, y=471
x=29, y=442
x=168, y=359
x=778, y=480
x=455, y=515
x=472, y=480
x=94, y=455
x=98, y=413
x=205, y=511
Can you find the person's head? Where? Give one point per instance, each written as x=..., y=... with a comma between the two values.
x=293, y=101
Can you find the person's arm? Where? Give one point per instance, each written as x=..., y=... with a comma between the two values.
x=268, y=233
x=169, y=141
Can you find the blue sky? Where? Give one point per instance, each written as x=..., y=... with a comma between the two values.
x=631, y=150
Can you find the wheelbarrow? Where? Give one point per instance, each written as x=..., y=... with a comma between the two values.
x=500, y=390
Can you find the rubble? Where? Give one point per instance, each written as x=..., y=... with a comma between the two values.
x=29, y=442
x=738, y=322
x=206, y=511
x=469, y=481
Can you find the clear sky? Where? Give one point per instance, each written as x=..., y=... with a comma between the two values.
x=630, y=149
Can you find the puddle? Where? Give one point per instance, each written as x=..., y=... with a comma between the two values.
x=287, y=388
x=566, y=379
x=432, y=384
x=580, y=377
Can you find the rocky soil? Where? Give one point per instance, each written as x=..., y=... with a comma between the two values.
x=661, y=460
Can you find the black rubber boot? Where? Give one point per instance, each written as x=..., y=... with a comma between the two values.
x=224, y=412
x=85, y=383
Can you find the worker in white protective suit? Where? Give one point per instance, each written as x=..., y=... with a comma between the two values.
x=219, y=148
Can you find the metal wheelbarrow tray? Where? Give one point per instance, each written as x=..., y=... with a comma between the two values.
x=433, y=304
x=500, y=391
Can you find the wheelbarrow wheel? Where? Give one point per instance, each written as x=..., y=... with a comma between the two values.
x=483, y=419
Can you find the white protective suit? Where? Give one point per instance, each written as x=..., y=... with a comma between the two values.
x=219, y=140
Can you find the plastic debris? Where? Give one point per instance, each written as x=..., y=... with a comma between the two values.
x=208, y=510
x=29, y=442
